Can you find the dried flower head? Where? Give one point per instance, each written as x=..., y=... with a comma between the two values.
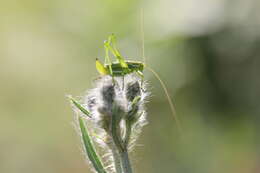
x=116, y=114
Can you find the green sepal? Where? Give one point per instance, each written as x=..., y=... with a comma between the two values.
x=132, y=116
x=80, y=107
x=89, y=148
x=136, y=100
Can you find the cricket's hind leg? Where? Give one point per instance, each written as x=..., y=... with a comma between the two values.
x=112, y=43
x=112, y=47
x=107, y=58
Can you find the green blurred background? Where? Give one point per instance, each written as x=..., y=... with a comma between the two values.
x=206, y=51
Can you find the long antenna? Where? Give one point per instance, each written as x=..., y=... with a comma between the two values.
x=157, y=75
x=168, y=98
x=142, y=33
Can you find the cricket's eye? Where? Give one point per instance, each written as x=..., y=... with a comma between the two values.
x=108, y=94
x=132, y=90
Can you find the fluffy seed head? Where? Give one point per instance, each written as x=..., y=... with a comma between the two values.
x=132, y=90
x=108, y=94
x=120, y=93
x=123, y=97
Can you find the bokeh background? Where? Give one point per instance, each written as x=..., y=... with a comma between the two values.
x=207, y=52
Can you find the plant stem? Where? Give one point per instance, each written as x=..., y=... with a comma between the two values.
x=117, y=160
x=128, y=134
x=126, y=165
x=119, y=143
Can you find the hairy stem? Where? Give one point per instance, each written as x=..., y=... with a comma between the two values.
x=117, y=160
x=128, y=134
x=126, y=165
x=120, y=143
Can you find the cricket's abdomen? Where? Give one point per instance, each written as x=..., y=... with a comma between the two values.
x=133, y=66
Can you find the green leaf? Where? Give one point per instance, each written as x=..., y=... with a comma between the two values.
x=80, y=107
x=92, y=155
